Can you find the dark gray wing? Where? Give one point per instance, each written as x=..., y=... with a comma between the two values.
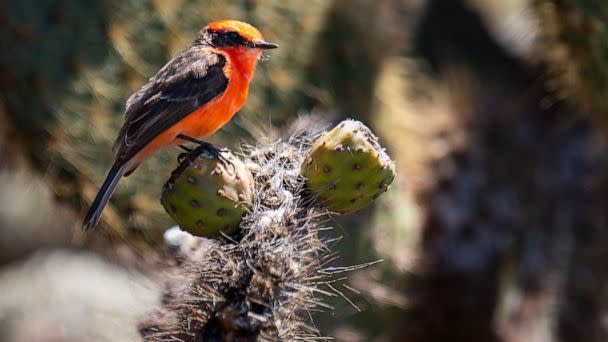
x=191, y=79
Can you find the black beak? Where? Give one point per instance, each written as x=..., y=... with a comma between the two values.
x=264, y=45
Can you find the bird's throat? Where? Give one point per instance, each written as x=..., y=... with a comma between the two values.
x=243, y=61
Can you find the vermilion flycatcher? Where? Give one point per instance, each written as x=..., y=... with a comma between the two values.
x=193, y=95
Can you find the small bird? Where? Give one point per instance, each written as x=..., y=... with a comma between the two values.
x=191, y=97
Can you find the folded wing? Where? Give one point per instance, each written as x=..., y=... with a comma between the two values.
x=191, y=79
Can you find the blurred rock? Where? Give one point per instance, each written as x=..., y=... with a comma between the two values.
x=186, y=245
x=29, y=215
x=65, y=296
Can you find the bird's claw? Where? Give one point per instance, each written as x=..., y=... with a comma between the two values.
x=183, y=155
x=204, y=148
x=217, y=153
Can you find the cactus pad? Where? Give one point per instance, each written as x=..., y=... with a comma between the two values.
x=207, y=197
x=347, y=168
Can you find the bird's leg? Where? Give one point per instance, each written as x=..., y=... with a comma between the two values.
x=191, y=139
x=205, y=147
x=187, y=149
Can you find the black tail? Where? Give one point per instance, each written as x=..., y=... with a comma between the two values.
x=92, y=218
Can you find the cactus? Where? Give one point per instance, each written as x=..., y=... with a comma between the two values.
x=208, y=197
x=347, y=169
x=256, y=287
x=260, y=285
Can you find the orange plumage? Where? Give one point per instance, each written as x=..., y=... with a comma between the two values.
x=210, y=117
x=194, y=95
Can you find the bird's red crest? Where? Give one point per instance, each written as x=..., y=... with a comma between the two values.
x=247, y=31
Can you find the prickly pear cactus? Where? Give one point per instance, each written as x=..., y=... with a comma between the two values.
x=262, y=285
x=347, y=168
x=208, y=197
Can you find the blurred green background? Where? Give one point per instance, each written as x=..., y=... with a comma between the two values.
x=495, y=111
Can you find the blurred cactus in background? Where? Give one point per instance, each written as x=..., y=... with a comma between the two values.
x=575, y=49
x=357, y=36
x=505, y=188
x=423, y=121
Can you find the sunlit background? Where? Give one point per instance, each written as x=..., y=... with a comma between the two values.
x=495, y=111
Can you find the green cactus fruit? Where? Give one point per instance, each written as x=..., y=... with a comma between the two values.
x=346, y=168
x=208, y=197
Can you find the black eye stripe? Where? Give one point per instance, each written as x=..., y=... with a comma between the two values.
x=227, y=38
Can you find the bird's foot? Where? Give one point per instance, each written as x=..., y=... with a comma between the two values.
x=207, y=149
x=183, y=155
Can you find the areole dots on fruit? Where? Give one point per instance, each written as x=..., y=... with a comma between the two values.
x=207, y=197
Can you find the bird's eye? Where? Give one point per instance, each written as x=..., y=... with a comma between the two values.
x=223, y=38
x=233, y=36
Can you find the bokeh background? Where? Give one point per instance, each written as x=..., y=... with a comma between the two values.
x=495, y=111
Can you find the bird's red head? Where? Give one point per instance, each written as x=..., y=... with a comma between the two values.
x=240, y=42
x=234, y=34
x=245, y=30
